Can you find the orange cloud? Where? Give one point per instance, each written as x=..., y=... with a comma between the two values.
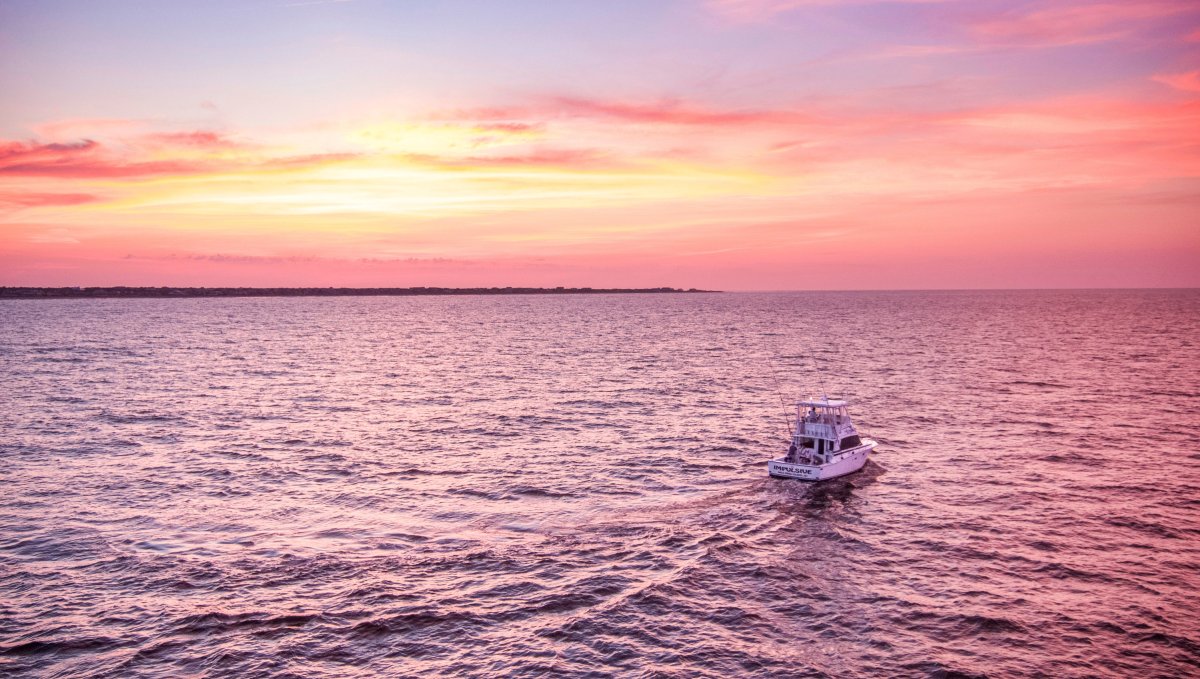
x=668, y=163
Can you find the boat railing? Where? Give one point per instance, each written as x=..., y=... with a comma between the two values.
x=817, y=430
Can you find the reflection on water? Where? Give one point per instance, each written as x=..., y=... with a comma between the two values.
x=482, y=486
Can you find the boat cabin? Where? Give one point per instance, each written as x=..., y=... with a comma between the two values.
x=823, y=429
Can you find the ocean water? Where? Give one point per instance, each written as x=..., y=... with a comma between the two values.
x=575, y=486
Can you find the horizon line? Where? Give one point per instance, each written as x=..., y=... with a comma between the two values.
x=349, y=291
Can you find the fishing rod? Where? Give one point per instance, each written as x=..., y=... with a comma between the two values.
x=820, y=375
x=787, y=411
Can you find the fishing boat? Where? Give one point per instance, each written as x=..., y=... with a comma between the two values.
x=825, y=444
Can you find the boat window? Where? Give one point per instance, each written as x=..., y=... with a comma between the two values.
x=851, y=442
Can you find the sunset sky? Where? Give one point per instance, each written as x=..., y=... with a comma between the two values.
x=732, y=144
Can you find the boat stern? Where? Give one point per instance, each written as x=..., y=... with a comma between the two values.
x=781, y=468
x=843, y=463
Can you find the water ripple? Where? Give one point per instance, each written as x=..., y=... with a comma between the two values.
x=283, y=487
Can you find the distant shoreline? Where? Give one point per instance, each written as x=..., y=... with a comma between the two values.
x=164, y=292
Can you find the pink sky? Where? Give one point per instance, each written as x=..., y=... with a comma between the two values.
x=732, y=144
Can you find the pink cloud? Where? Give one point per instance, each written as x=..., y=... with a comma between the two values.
x=1188, y=82
x=90, y=127
x=543, y=157
x=135, y=131
x=25, y=200
x=15, y=151
x=89, y=159
x=761, y=10
x=482, y=113
x=669, y=112
x=196, y=139
x=547, y=157
x=663, y=111
x=512, y=128
x=226, y=258
x=1071, y=24
x=78, y=160
x=308, y=160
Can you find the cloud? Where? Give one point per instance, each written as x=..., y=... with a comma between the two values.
x=482, y=113
x=79, y=159
x=308, y=160
x=1036, y=24
x=748, y=11
x=424, y=261
x=26, y=200
x=669, y=112
x=661, y=111
x=228, y=258
x=89, y=159
x=547, y=157
x=1070, y=24
x=1188, y=82
x=54, y=237
x=543, y=157
x=201, y=139
x=90, y=127
x=18, y=151
x=138, y=132
x=509, y=128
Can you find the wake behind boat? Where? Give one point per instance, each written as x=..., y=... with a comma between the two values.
x=825, y=444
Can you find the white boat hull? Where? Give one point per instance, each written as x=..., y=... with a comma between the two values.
x=844, y=462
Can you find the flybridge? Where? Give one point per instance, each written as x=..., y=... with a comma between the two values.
x=824, y=419
x=825, y=402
